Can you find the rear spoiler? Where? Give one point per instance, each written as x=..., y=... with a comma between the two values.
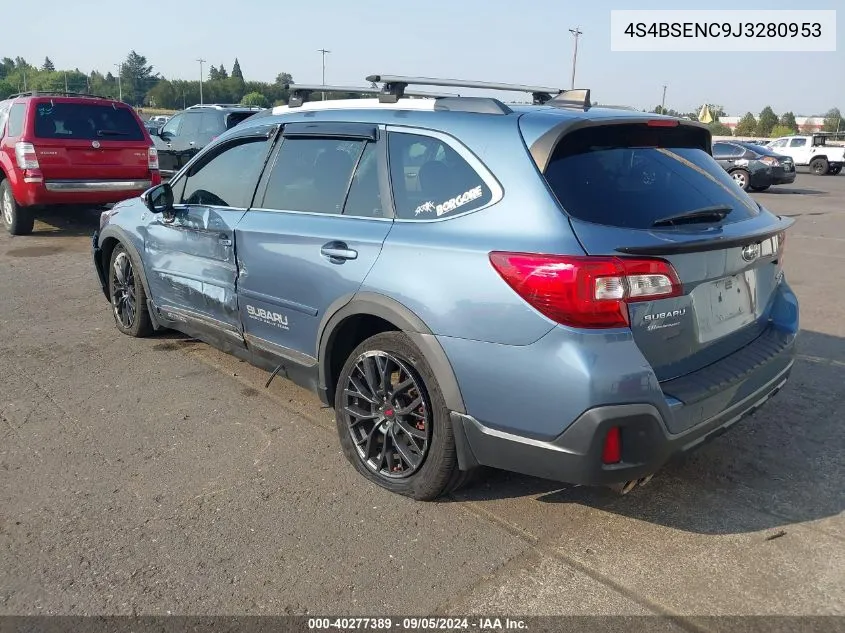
x=544, y=147
x=715, y=243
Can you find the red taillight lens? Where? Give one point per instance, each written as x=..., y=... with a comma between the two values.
x=586, y=292
x=611, y=452
x=152, y=158
x=771, y=161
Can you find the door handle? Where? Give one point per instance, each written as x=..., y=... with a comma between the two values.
x=338, y=250
x=225, y=240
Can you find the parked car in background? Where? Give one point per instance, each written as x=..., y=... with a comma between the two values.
x=754, y=167
x=811, y=151
x=187, y=132
x=152, y=126
x=161, y=119
x=60, y=149
x=566, y=291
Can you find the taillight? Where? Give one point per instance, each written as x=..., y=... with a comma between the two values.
x=612, y=450
x=25, y=155
x=152, y=158
x=586, y=292
x=770, y=160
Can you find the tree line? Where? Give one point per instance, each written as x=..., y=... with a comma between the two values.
x=136, y=82
x=766, y=125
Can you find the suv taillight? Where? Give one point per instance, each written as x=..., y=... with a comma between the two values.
x=586, y=292
x=152, y=158
x=25, y=155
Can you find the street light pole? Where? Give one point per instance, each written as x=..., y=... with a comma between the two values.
x=119, y=83
x=576, y=32
x=201, y=61
x=663, y=101
x=324, y=51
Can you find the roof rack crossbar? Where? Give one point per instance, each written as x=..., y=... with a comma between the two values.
x=395, y=85
x=54, y=93
x=300, y=93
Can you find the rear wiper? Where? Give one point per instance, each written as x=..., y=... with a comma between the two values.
x=111, y=133
x=704, y=214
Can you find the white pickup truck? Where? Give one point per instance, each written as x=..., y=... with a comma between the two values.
x=811, y=150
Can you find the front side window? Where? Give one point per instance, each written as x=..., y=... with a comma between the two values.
x=780, y=143
x=431, y=180
x=171, y=128
x=312, y=175
x=229, y=178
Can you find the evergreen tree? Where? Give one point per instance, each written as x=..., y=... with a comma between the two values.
x=236, y=70
x=48, y=65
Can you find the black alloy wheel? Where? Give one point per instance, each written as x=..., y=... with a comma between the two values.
x=387, y=415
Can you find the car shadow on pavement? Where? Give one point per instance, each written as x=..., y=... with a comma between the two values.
x=783, y=465
x=66, y=222
x=791, y=191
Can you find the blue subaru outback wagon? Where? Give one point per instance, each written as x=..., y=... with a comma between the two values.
x=571, y=292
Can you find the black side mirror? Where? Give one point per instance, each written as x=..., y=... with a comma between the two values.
x=159, y=199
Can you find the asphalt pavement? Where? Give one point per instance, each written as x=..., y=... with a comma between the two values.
x=159, y=476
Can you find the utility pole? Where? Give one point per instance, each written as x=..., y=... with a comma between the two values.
x=201, y=61
x=663, y=101
x=119, y=83
x=24, y=78
x=65, y=82
x=324, y=51
x=576, y=32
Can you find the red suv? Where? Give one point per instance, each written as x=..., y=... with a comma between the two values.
x=60, y=149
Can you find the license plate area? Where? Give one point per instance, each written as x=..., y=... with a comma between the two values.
x=726, y=305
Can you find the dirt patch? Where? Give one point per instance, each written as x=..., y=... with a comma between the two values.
x=34, y=251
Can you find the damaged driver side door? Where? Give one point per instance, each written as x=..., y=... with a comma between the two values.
x=191, y=250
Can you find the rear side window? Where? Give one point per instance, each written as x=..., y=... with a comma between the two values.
x=632, y=175
x=313, y=175
x=798, y=142
x=16, y=115
x=431, y=180
x=84, y=121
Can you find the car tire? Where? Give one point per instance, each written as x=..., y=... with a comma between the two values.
x=819, y=166
x=742, y=178
x=17, y=219
x=368, y=420
x=834, y=171
x=127, y=296
x=760, y=188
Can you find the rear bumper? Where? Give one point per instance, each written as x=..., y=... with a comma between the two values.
x=784, y=178
x=57, y=192
x=575, y=456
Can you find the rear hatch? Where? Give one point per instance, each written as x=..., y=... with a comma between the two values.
x=651, y=189
x=89, y=140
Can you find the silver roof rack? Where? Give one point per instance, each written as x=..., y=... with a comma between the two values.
x=300, y=93
x=394, y=88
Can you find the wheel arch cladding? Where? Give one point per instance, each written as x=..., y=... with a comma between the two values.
x=109, y=239
x=367, y=314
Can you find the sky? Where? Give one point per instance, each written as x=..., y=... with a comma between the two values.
x=493, y=40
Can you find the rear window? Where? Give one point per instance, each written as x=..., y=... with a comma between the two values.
x=83, y=121
x=632, y=175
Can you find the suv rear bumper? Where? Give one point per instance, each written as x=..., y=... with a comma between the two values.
x=575, y=456
x=57, y=192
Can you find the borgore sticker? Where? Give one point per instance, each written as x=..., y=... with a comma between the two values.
x=451, y=204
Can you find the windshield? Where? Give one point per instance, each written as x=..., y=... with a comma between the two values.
x=83, y=121
x=631, y=176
